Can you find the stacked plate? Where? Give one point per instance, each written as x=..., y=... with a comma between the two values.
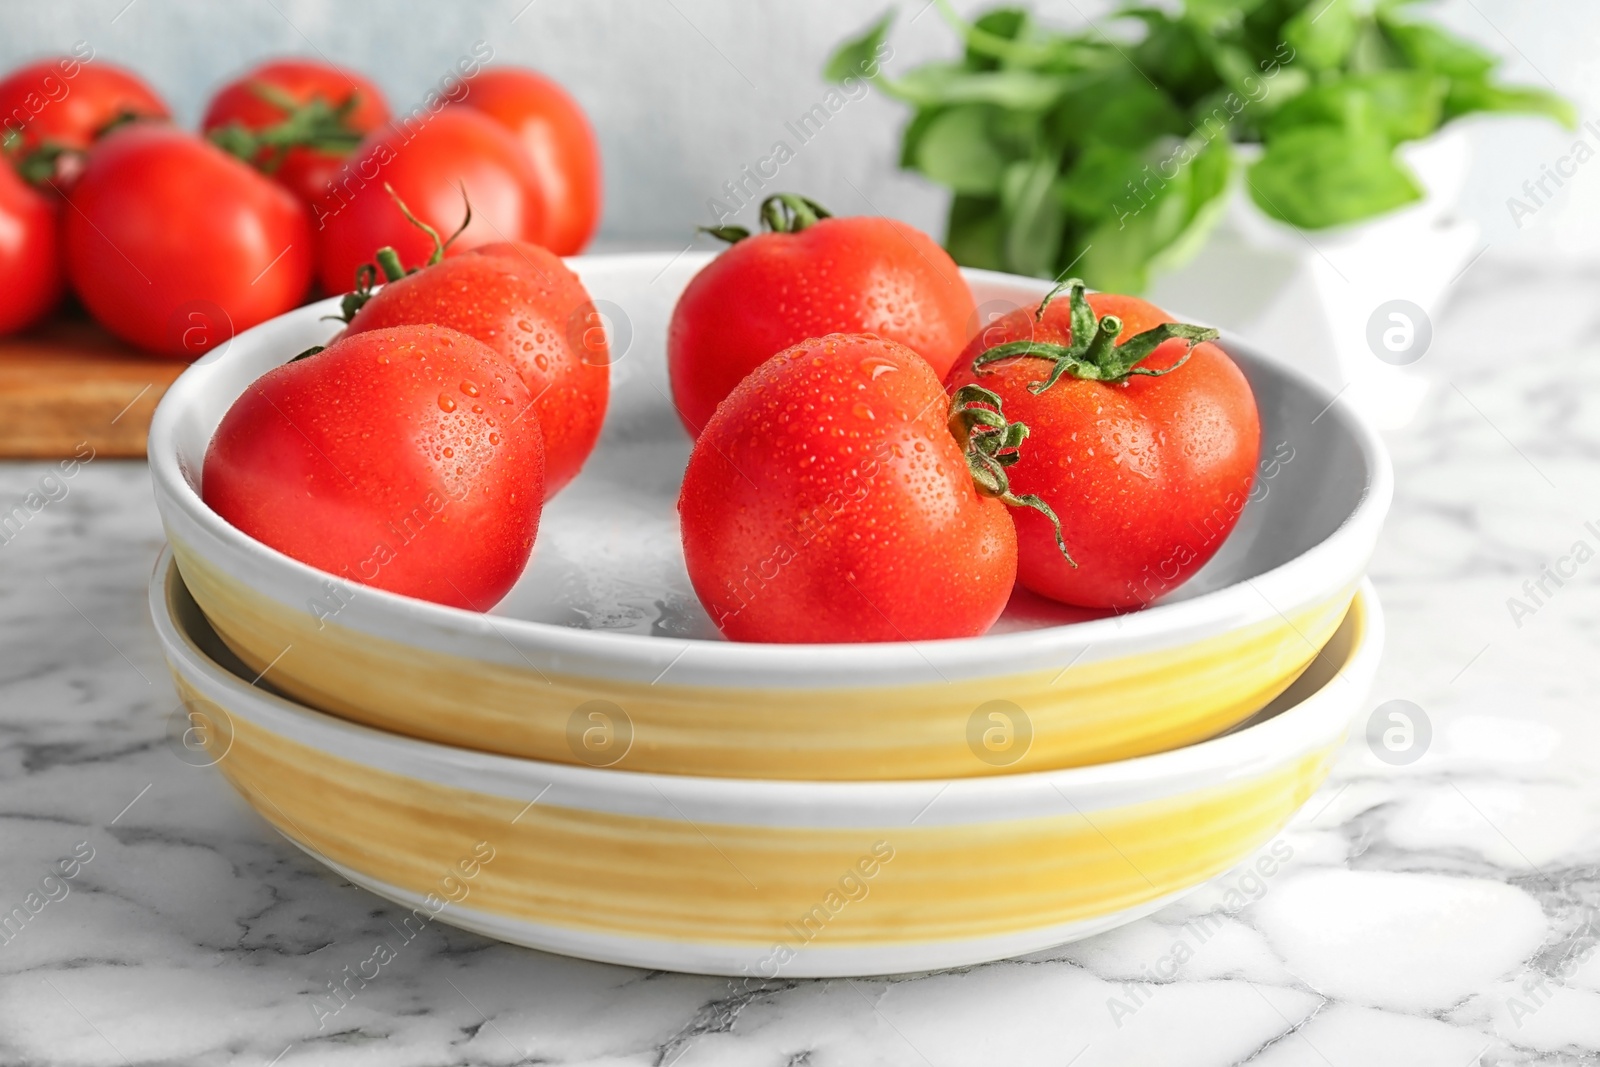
x=590, y=770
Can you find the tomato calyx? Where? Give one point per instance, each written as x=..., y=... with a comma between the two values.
x=316, y=125
x=780, y=213
x=1093, y=353
x=51, y=159
x=42, y=163
x=388, y=260
x=991, y=444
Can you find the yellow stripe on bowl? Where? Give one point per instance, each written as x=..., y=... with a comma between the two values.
x=1081, y=713
x=673, y=879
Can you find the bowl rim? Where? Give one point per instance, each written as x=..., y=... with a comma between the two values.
x=1247, y=599
x=1322, y=714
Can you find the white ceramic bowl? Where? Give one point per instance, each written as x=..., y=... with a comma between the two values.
x=603, y=655
x=760, y=878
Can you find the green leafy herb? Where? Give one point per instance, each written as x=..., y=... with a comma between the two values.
x=1111, y=152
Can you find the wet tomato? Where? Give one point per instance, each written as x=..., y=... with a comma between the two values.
x=1143, y=438
x=523, y=302
x=839, y=495
x=811, y=275
x=392, y=458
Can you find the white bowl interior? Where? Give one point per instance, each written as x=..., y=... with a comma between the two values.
x=608, y=556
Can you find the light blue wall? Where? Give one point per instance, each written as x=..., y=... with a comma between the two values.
x=686, y=92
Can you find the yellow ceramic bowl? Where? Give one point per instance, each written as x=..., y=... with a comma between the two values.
x=602, y=655
x=752, y=877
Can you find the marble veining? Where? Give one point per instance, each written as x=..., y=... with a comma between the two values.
x=1440, y=912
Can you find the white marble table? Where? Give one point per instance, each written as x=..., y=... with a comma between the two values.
x=1442, y=912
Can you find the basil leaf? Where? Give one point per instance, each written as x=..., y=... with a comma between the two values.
x=1174, y=55
x=1115, y=106
x=1323, y=33
x=1216, y=16
x=854, y=58
x=1003, y=24
x=1322, y=176
x=1403, y=104
x=1476, y=94
x=1237, y=69
x=1430, y=48
x=1374, y=52
x=1227, y=115
x=955, y=150
x=1166, y=223
x=911, y=136
x=1102, y=178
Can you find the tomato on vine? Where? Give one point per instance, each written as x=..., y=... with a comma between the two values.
x=1144, y=439
x=54, y=109
x=523, y=302
x=811, y=274
x=296, y=120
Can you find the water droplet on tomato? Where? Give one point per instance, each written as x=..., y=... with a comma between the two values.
x=446, y=402
x=862, y=411
x=470, y=388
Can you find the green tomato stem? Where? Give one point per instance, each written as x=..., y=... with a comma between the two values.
x=991, y=445
x=1092, y=352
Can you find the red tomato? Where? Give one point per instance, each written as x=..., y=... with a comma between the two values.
x=523, y=302
x=1148, y=470
x=427, y=163
x=308, y=171
x=560, y=144
x=392, y=458
x=806, y=279
x=174, y=245
x=69, y=102
x=827, y=500
x=30, y=253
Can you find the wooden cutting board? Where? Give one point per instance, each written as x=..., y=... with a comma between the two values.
x=67, y=382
